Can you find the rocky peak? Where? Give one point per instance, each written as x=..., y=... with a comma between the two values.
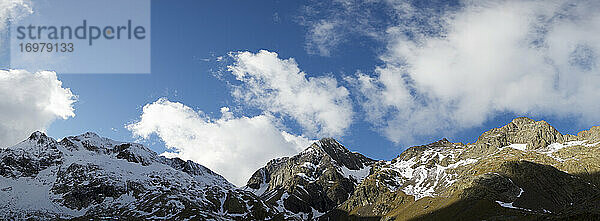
x=341, y=154
x=37, y=143
x=443, y=142
x=521, y=121
x=591, y=135
x=418, y=151
x=89, y=141
x=331, y=146
x=37, y=135
x=89, y=134
x=41, y=139
x=30, y=156
x=522, y=130
x=135, y=153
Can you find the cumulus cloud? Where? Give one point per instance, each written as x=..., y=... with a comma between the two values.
x=278, y=86
x=30, y=102
x=464, y=66
x=232, y=146
x=451, y=65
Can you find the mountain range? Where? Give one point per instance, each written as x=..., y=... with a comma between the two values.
x=525, y=170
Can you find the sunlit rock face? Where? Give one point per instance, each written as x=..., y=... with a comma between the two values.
x=525, y=169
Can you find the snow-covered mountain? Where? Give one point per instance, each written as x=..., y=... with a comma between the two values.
x=525, y=170
x=88, y=176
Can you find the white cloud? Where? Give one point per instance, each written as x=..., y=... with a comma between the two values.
x=30, y=102
x=232, y=146
x=11, y=10
x=454, y=65
x=277, y=85
x=463, y=67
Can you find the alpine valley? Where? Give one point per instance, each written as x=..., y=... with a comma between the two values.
x=525, y=170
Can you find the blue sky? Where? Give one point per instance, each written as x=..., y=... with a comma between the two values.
x=433, y=55
x=185, y=33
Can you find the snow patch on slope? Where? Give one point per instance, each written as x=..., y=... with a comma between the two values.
x=420, y=179
x=517, y=146
x=510, y=205
x=552, y=148
x=357, y=175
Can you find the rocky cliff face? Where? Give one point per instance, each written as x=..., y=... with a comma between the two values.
x=311, y=183
x=87, y=176
x=524, y=170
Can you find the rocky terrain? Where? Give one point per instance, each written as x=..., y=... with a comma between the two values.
x=525, y=170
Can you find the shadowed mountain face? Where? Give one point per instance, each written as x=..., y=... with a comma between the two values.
x=525, y=170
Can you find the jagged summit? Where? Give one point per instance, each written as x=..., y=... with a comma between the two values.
x=38, y=144
x=444, y=142
x=591, y=135
x=522, y=130
x=88, y=134
x=440, y=145
x=37, y=135
x=340, y=154
x=40, y=138
x=524, y=121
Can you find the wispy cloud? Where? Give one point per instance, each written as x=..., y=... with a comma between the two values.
x=330, y=24
x=12, y=10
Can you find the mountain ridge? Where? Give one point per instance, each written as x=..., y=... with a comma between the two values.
x=525, y=169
